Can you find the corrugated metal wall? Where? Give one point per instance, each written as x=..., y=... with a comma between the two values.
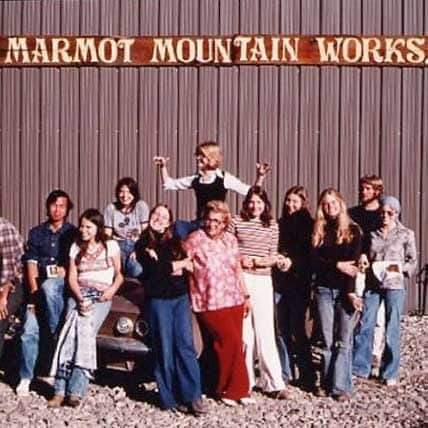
x=82, y=128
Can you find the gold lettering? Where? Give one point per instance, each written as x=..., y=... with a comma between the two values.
x=242, y=43
x=126, y=44
x=329, y=51
x=163, y=51
x=259, y=50
x=416, y=54
x=60, y=51
x=347, y=49
x=223, y=53
x=40, y=52
x=17, y=46
x=290, y=52
x=102, y=50
x=391, y=49
x=85, y=46
x=371, y=47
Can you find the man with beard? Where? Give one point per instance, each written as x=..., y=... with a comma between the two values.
x=367, y=216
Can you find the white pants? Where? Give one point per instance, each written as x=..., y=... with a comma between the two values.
x=259, y=335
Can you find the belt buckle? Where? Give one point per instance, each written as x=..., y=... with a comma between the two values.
x=52, y=271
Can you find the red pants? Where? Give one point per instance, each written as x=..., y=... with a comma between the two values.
x=225, y=327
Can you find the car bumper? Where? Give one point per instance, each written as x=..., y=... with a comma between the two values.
x=122, y=344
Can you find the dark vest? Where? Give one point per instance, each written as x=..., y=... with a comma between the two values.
x=206, y=192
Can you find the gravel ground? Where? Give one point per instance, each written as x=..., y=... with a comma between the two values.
x=373, y=405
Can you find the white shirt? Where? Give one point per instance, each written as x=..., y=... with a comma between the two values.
x=230, y=182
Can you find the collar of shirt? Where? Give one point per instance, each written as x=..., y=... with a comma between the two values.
x=211, y=176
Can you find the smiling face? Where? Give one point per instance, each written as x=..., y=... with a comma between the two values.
x=125, y=197
x=214, y=225
x=88, y=230
x=331, y=206
x=160, y=219
x=293, y=203
x=203, y=162
x=388, y=216
x=256, y=206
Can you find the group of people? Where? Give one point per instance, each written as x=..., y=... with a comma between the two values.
x=247, y=278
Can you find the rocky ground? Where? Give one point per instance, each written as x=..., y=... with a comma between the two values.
x=373, y=405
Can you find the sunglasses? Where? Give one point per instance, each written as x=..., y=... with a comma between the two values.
x=388, y=213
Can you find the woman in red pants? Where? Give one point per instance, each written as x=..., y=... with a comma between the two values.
x=220, y=298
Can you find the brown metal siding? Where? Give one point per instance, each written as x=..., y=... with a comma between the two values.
x=81, y=129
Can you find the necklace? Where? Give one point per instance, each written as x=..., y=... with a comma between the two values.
x=92, y=254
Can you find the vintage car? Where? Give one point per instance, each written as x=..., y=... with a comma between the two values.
x=123, y=340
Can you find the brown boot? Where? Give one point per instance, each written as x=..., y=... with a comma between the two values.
x=56, y=401
x=74, y=401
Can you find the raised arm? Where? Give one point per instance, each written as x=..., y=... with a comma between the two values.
x=262, y=169
x=161, y=162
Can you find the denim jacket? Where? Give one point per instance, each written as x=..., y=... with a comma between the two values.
x=398, y=246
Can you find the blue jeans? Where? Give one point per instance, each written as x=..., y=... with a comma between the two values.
x=363, y=343
x=176, y=367
x=337, y=323
x=49, y=312
x=77, y=383
x=130, y=266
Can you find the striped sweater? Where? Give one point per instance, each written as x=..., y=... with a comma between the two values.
x=255, y=240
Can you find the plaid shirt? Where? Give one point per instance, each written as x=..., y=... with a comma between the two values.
x=11, y=252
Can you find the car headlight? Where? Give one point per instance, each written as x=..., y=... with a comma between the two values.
x=141, y=328
x=124, y=326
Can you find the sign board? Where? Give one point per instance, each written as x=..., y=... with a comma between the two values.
x=41, y=51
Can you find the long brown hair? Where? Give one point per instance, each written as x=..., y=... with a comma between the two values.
x=343, y=222
x=153, y=239
x=95, y=217
x=266, y=215
x=302, y=193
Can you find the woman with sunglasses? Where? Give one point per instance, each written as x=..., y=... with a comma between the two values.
x=393, y=256
x=124, y=221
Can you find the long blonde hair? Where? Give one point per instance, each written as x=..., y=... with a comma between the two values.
x=344, y=232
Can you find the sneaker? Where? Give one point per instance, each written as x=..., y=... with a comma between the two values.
x=198, y=407
x=391, y=382
x=229, y=402
x=247, y=401
x=56, y=401
x=23, y=388
x=74, y=401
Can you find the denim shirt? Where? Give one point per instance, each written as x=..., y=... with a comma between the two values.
x=399, y=245
x=46, y=247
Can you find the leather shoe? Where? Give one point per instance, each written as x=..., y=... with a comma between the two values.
x=74, y=401
x=56, y=401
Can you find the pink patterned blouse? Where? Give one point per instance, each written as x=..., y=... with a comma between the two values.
x=214, y=283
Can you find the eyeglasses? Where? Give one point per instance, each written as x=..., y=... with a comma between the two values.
x=388, y=213
x=213, y=220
